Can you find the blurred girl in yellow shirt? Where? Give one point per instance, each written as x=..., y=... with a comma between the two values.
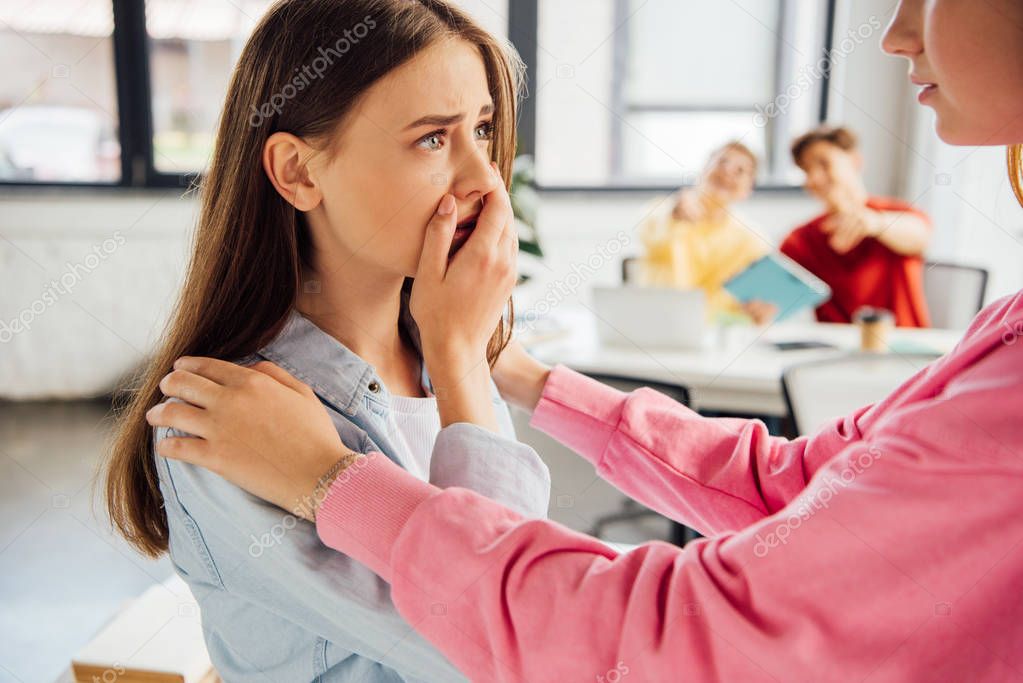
x=694, y=241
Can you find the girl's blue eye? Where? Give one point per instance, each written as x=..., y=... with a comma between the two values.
x=432, y=142
x=485, y=130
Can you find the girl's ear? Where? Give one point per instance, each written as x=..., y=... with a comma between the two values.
x=285, y=161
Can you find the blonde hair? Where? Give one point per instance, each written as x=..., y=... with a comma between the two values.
x=1015, y=159
x=737, y=146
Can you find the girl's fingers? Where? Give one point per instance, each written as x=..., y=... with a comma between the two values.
x=282, y=376
x=509, y=244
x=181, y=416
x=190, y=387
x=433, y=261
x=494, y=217
x=186, y=449
x=219, y=371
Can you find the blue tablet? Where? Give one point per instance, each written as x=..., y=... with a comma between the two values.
x=779, y=280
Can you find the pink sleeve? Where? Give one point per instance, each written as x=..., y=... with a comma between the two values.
x=899, y=561
x=711, y=474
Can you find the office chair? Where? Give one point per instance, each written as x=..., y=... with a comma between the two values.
x=631, y=510
x=819, y=391
x=954, y=293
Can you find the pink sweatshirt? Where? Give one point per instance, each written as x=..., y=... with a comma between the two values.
x=887, y=547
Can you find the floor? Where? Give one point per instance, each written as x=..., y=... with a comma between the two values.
x=63, y=573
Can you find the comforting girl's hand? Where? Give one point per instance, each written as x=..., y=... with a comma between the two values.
x=259, y=428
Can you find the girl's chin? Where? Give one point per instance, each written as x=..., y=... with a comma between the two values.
x=950, y=128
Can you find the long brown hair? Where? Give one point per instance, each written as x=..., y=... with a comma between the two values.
x=302, y=70
x=1015, y=157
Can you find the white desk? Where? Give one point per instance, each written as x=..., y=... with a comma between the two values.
x=737, y=371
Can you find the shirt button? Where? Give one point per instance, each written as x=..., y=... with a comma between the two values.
x=374, y=386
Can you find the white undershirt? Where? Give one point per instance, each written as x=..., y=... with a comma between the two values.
x=413, y=425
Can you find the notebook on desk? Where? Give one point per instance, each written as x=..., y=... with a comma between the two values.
x=778, y=280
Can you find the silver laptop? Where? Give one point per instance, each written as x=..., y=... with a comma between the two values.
x=650, y=317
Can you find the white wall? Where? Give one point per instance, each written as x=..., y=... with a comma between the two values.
x=870, y=93
x=86, y=284
x=493, y=14
x=967, y=192
x=574, y=89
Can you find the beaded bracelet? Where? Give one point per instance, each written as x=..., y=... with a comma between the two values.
x=328, y=477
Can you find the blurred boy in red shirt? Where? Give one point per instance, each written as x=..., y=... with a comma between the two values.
x=868, y=249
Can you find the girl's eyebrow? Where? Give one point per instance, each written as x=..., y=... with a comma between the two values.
x=439, y=120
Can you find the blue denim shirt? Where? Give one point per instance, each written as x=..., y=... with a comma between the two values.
x=277, y=605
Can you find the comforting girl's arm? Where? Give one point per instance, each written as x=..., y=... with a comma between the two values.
x=711, y=474
x=829, y=588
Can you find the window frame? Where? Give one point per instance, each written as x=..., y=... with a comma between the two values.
x=523, y=23
x=135, y=117
x=134, y=112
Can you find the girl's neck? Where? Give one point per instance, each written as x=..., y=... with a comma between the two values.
x=360, y=306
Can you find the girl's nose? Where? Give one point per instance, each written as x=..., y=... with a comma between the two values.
x=903, y=36
x=474, y=177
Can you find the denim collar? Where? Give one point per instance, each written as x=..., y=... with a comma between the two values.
x=331, y=369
